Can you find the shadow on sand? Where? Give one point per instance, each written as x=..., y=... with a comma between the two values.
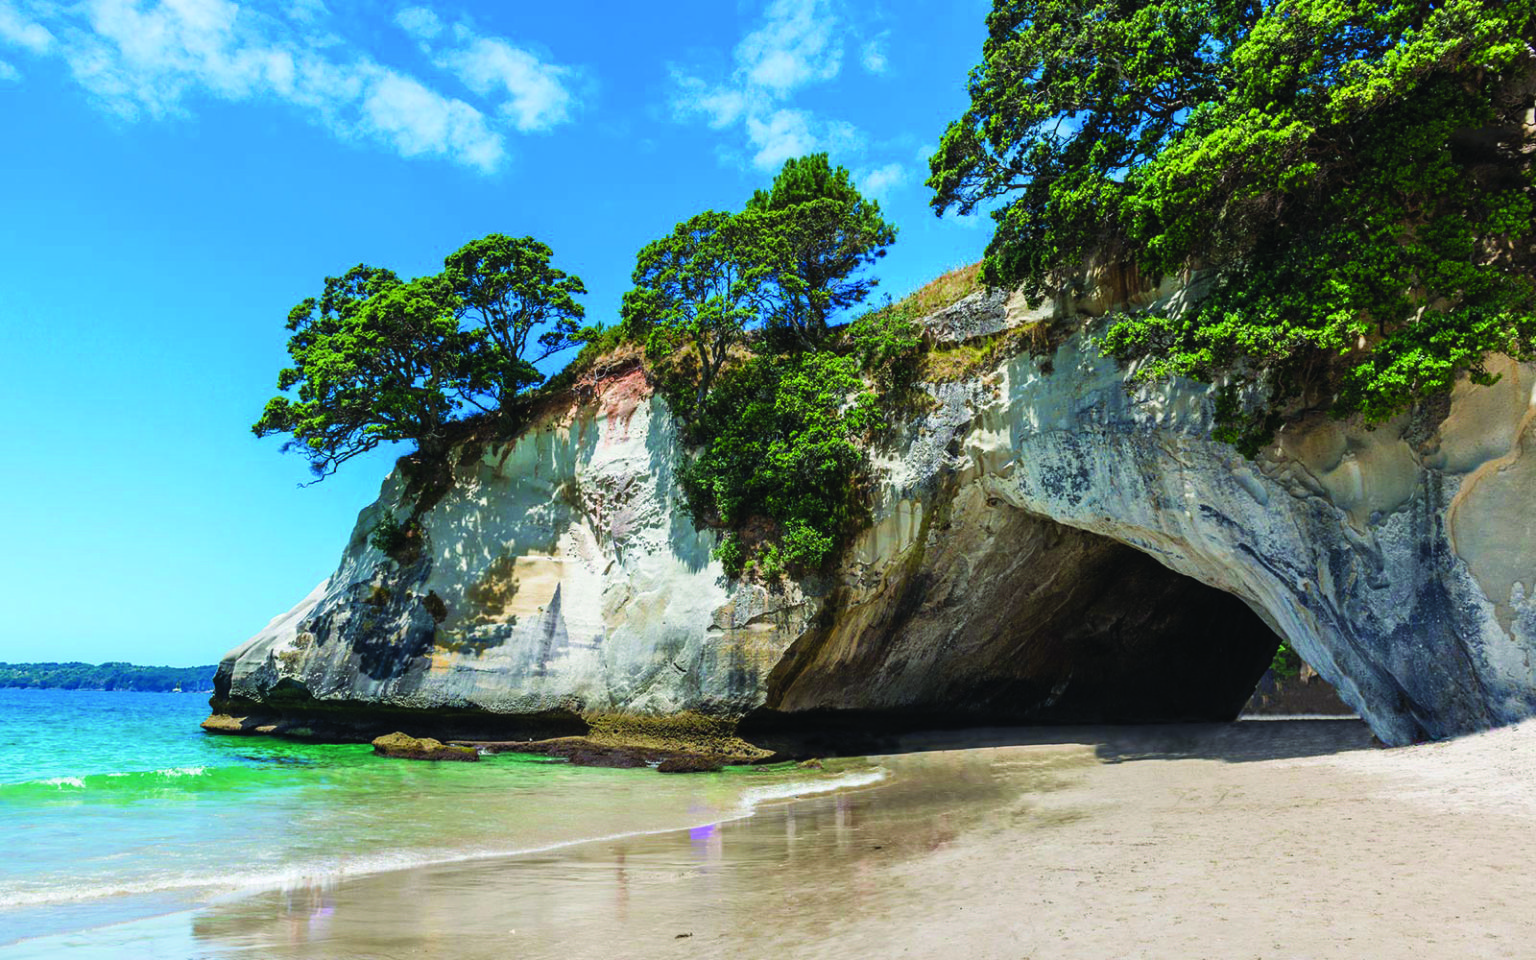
x=1242, y=741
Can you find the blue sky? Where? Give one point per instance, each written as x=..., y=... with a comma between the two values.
x=175, y=175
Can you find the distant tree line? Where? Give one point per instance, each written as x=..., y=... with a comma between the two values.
x=106, y=676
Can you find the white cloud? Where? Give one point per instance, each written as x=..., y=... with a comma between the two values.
x=721, y=106
x=419, y=22
x=779, y=136
x=22, y=31
x=880, y=181
x=419, y=120
x=797, y=44
x=8, y=73
x=537, y=97
x=872, y=55
x=147, y=60
x=153, y=58
x=307, y=11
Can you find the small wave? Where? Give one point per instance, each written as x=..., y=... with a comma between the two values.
x=330, y=871
x=789, y=791
x=131, y=783
x=169, y=772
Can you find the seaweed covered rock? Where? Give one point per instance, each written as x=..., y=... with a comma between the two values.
x=404, y=747
x=690, y=763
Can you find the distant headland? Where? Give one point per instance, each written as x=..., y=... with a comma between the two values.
x=107, y=676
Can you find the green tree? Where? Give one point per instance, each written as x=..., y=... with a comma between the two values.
x=375, y=361
x=701, y=286
x=824, y=232
x=1358, y=175
x=523, y=309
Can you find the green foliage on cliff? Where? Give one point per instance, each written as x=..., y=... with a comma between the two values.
x=106, y=676
x=780, y=464
x=1357, y=174
x=401, y=542
x=734, y=310
x=378, y=360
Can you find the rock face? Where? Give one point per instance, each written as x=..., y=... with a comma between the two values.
x=1047, y=545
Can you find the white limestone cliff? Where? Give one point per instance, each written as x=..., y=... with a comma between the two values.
x=1006, y=563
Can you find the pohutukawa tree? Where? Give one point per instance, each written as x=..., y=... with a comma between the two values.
x=825, y=232
x=375, y=361
x=1358, y=174
x=701, y=287
x=523, y=309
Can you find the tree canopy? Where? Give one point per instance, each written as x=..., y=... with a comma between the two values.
x=1357, y=175
x=509, y=288
x=790, y=261
x=378, y=360
x=826, y=232
x=375, y=361
x=703, y=285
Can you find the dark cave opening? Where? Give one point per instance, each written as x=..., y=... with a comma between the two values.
x=1012, y=618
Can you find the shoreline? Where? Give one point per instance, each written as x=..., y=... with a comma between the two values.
x=1278, y=839
x=199, y=894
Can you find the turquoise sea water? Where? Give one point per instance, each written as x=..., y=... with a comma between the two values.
x=116, y=806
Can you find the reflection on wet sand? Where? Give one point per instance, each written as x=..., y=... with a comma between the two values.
x=816, y=859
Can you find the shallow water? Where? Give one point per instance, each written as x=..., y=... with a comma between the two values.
x=116, y=807
x=130, y=833
x=820, y=859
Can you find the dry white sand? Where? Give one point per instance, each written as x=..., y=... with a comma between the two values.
x=1423, y=852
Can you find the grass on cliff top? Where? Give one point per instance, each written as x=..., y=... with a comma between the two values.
x=606, y=347
x=947, y=363
x=948, y=288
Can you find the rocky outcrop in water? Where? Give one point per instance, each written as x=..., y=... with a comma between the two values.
x=405, y=747
x=1047, y=545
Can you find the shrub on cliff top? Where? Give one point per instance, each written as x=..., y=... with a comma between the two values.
x=1358, y=173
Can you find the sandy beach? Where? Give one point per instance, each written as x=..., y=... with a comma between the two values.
x=1276, y=839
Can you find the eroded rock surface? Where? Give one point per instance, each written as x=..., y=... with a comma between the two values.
x=1047, y=545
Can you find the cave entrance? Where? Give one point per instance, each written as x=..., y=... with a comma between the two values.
x=1007, y=617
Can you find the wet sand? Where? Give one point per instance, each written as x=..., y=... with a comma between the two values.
x=1253, y=840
